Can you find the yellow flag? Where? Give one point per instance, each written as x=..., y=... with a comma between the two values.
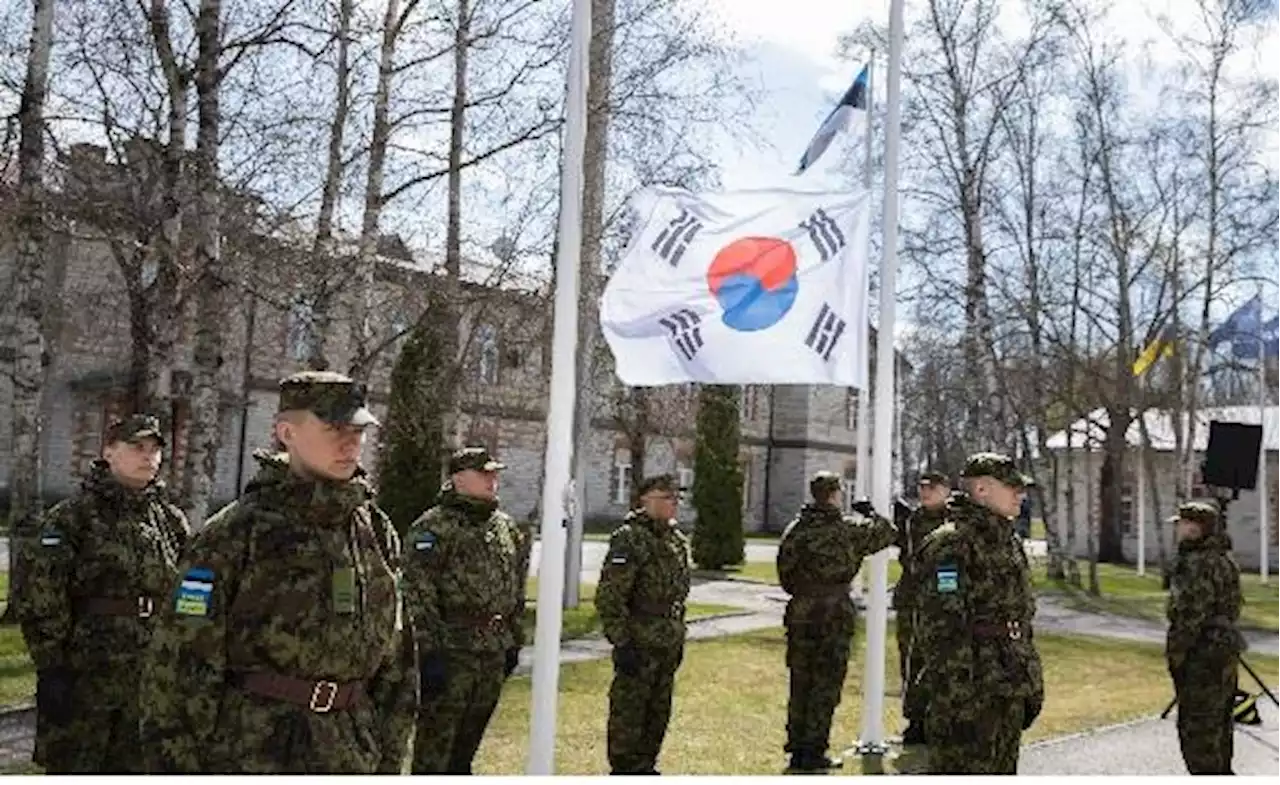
x=1162, y=346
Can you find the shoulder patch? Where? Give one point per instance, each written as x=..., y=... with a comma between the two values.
x=948, y=578
x=195, y=593
x=424, y=542
x=50, y=538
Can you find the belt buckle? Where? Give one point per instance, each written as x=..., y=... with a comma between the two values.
x=330, y=697
x=1015, y=630
x=145, y=607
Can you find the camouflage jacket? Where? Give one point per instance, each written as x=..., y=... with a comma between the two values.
x=920, y=523
x=298, y=578
x=975, y=611
x=466, y=574
x=106, y=542
x=644, y=584
x=819, y=553
x=1204, y=599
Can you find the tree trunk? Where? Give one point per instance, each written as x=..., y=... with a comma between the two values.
x=25, y=479
x=206, y=431
x=454, y=343
x=322, y=251
x=1111, y=479
x=366, y=264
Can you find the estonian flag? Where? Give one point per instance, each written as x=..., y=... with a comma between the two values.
x=852, y=106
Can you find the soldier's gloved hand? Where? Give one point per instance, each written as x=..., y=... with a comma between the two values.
x=626, y=659
x=431, y=669
x=901, y=511
x=513, y=659
x=863, y=507
x=1031, y=710
x=53, y=694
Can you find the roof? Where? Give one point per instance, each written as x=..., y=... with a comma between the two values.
x=1160, y=425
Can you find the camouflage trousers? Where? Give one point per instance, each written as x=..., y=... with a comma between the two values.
x=451, y=723
x=1205, y=687
x=818, y=663
x=639, y=710
x=910, y=662
x=984, y=740
x=102, y=736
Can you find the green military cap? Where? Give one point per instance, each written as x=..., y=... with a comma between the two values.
x=135, y=427
x=659, y=482
x=997, y=467
x=934, y=478
x=333, y=397
x=477, y=458
x=824, y=482
x=1198, y=512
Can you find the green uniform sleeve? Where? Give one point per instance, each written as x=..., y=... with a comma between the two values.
x=788, y=561
x=1191, y=600
x=394, y=689
x=525, y=535
x=617, y=579
x=182, y=689
x=425, y=557
x=43, y=604
x=944, y=626
x=875, y=534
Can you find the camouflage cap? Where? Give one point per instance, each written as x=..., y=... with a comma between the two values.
x=659, y=482
x=997, y=467
x=477, y=458
x=823, y=483
x=133, y=428
x=934, y=478
x=332, y=397
x=1198, y=512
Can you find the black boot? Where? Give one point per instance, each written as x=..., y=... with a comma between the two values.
x=914, y=734
x=813, y=762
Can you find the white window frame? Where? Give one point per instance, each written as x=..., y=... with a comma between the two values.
x=685, y=478
x=488, y=358
x=622, y=490
x=302, y=336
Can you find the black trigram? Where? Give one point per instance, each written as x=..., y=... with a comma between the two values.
x=685, y=331
x=825, y=332
x=824, y=233
x=674, y=240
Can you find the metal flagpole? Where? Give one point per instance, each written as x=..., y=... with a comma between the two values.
x=557, y=488
x=862, y=436
x=872, y=741
x=1264, y=540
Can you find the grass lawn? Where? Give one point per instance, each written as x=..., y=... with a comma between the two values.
x=730, y=706
x=1126, y=593
x=582, y=621
x=17, y=674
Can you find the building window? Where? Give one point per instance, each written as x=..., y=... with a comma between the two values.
x=685, y=475
x=851, y=409
x=750, y=402
x=1127, y=510
x=850, y=473
x=747, y=501
x=303, y=337
x=487, y=354
x=620, y=483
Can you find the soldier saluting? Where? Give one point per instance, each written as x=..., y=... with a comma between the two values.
x=982, y=672
x=818, y=556
x=283, y=648
x=1203, y=643
x=644, y=584
x=102, y=562
x=465, y=583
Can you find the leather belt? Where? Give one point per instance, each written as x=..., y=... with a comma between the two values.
x=320, y=697
x=997, y=630
x=657, y=609
x=475, y=620
x=141, y=607
x=823, y=590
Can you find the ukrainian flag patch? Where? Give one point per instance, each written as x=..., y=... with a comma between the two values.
x=195, y=593
x=948, y=579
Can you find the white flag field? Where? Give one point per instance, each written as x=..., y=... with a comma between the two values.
x=746, y=287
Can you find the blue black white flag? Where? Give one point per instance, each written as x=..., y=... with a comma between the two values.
x=851, y=109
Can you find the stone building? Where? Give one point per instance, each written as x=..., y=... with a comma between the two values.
x=271, y=326
x=1079, y=451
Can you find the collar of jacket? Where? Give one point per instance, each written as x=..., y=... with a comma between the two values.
x=1214, y=541
x=983, y=522
x=279, y=488
x=102, y=484
x=469, y=507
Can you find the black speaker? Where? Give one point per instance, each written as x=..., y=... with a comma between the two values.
x=1232, y=458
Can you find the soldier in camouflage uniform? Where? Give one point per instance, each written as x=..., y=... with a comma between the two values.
x=465, y=582
x=644, y=584
x=982, y=672
x=283, y=648
x=94, y=573
x=820, y=552
x=934, y=489
x=1203, y=643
